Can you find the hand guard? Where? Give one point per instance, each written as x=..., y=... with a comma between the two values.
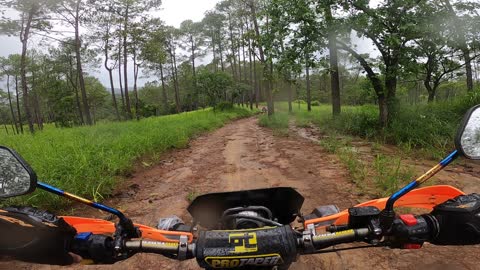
x=458, y=220
x=36, y=236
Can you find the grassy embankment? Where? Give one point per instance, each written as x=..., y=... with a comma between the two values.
x=89, y=161
x=423, y=130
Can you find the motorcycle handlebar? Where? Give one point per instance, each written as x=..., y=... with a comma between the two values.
x=149, y=246
x=318, y=241
x=408, y=232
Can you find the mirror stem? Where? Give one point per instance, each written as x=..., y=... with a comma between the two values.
x=76, y=198
x=422, y=179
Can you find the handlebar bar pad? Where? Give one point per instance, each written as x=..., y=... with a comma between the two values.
x=246, y=248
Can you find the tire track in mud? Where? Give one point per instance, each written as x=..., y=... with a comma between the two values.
x=242, y=155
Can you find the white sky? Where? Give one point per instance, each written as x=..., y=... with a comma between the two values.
x=176, y=11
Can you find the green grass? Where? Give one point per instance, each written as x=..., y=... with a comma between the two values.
x=390, y=174
x=89, y=161
x=348, y=156
x=277, y=122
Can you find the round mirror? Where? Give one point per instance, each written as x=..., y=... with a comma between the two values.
x=468, y=138
x=16, y=177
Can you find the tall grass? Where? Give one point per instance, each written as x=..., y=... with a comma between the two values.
x=277, y=122
x=89, y=161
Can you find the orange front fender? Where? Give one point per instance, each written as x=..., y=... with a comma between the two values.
x=426, y=198
x=100, y=226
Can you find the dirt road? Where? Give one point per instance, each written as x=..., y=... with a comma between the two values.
x=242, y=155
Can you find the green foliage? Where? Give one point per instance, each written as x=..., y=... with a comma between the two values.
x=299, y=101
x=90, y=160
x=222, y=106
x=214, y=85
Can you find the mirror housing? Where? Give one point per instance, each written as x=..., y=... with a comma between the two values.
x=16, y=176
x=467, y=140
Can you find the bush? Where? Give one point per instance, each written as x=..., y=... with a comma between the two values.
x=299, y=101
x=315, y=103
x=222, y=106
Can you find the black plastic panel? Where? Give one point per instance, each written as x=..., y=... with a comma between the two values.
x=284, y=202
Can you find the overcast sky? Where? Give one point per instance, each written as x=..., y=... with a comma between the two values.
x=173, y=12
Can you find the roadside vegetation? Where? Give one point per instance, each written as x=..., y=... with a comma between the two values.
x=424, y=130
x=89, y=161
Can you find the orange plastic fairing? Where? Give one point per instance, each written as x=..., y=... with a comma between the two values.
x=425, y=198
x=100, y=226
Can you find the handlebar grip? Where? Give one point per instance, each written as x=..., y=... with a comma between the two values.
x=98, y=248
x=410, y=232
x=330, y=239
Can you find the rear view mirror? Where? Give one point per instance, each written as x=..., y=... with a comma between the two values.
x=468, y=137
x=16, y=177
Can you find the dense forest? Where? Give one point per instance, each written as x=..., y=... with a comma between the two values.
x=340, y=52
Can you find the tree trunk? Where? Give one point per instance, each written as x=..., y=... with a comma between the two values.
x=232, y=47
x=10, y=103
x=125, y=63
x=136, y=68
x=383, y=107
x=290, y=109
x=110, y=73
x=175, y=80
x=79, y=104
x=164, y=91
x=270, y=102
x=256, y=85
x=220, y=47
x=215, y=64
x=232, y=66
x=23, y=64
x=195, y=92
x=78, y=45
x=243, y=52
x=114, y=98
x=252, y=83
x=239, y=63
x=468, y=68
x=431, y=92
x=120, y=83
x=335, y=80
x=20, y=123
x=36, y=105
x=75, y=88
x=391, y=88
x=309, y=94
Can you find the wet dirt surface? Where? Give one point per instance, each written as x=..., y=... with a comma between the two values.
x=241, y=156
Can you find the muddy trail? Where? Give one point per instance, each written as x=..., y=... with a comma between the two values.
x=242, y=155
